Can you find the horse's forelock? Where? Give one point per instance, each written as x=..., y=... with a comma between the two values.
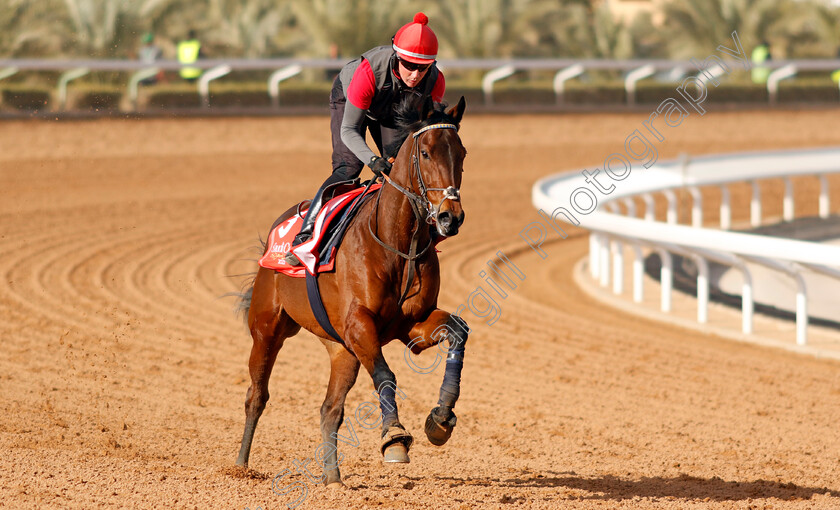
x=408, y=115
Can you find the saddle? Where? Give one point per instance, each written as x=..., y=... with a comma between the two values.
x=318, y=253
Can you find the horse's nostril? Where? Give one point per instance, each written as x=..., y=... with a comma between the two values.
x=445, y=219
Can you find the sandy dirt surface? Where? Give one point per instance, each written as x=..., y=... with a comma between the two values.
x=123, y=372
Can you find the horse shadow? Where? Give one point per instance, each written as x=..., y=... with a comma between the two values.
x=682, y=487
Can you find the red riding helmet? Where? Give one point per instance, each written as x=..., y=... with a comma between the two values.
x=415, y=42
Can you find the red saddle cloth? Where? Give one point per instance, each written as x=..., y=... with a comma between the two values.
x=281, y=237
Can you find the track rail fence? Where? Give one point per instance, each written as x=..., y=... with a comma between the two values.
x=611, y=228
x=494, y=70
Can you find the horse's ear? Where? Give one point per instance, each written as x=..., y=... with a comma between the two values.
x=428, y=108
x=457, y=111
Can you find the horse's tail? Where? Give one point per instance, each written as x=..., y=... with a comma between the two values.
x=243, y=298
x=243, y=302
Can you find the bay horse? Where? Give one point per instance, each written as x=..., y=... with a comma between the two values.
x=384, y=286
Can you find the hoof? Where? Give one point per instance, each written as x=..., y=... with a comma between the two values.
x=336, y=486
x=438, y=429
x=395, y=445
x=396, y=453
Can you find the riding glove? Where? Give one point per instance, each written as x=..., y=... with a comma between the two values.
x=379, y=166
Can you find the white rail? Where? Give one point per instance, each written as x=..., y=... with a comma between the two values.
x=611, y=229
x=279, y=76
x=204, y=82
x=496, y=69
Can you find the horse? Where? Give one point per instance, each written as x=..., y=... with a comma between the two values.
x=384, y=287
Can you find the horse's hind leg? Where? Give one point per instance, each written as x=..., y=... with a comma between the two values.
x=438, y=327
x=344, y=367
x=269, y=330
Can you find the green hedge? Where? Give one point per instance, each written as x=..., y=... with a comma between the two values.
x=26, y=100
x=102, y=100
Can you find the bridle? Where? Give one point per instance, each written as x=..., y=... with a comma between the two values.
x=449, y=193
x=423, y=209
x=421, y=201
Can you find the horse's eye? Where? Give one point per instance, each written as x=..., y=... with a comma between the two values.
x=424, y=154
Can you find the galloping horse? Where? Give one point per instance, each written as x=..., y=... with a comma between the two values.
x=384, y=286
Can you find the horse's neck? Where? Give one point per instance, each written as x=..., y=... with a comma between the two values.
x=396, y=220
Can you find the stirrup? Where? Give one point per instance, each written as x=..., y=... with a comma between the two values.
x=292, y=259
x=299, y=239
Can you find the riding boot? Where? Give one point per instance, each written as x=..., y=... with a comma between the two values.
x=308, y=225
x=323, y=195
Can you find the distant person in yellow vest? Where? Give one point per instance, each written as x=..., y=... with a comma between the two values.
x=835, y=76
x=760, y=55
x=189, y=51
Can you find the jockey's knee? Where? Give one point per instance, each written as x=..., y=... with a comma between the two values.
x=345, y=172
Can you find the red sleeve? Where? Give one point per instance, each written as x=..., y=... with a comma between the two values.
x=362, y=86
x=439, y=88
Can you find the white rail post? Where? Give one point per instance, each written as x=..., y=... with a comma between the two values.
x=702, y=279
x=604, y=261
x=710, y=74
x=638, y=274
x=278, y=76
x=676, y=74
x=787, y=203
x=594, y=251
x=801, y=309
x=702, y=289
x=631, y=206
x=725, y=209
x=747, y=304
x=206, y=78
x=492, y=77
x=562, y=77
x=824, y=197
x=666, y=278
x=755, y=205
x=775, y=77
x=618, y=267
x=66, y=78
x=632, y=78
x=134, y=84
x=671, y=217
x=794, y=271
x=696, y=207
x=7, y=72
x=650, y=207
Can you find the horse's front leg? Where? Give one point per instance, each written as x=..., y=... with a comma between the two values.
x=438, y=327
x=360, y=331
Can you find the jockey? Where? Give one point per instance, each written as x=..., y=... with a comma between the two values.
x=364, y=96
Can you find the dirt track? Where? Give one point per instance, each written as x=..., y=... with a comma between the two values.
x=123, y=374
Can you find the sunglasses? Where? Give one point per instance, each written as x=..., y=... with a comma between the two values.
x=411, y=66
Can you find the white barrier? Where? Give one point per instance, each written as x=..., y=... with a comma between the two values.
x=610, y=229
x=495, y=69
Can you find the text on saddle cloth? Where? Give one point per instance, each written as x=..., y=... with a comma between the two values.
x=317, y=254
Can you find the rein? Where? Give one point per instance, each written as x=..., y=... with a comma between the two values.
x=420, y=203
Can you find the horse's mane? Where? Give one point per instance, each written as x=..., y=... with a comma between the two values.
x=411, y=116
